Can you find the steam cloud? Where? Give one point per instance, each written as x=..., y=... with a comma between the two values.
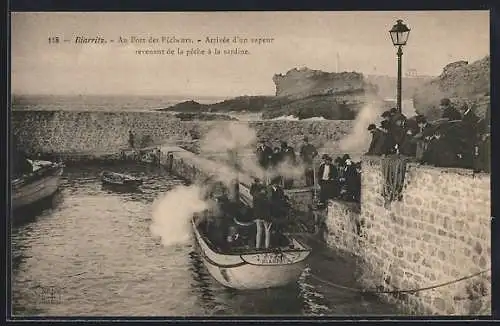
x=172, y=213
x=235, y=143
x=358, y=140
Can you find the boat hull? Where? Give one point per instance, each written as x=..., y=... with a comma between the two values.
x=253, y=271
x=119, y=180
x=29, y=193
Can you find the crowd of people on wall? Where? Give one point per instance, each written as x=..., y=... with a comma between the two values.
x=459, y=139
x=339, y=179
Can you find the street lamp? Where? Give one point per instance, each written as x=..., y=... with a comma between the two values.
x=399, y=35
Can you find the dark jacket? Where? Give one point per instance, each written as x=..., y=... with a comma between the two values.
x=279, y=203
x=408, y=146
x=264, y=155
x=260, y=201
x=439, y=153
x=307, y=153
x=333, y=173
x=482, y=161
x=350, y=175
x=382, y=143
x=451, y=113
x=286, y=154
x=470, y=124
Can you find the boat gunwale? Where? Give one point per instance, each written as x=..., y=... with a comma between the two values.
x=44, y=172
x=125, y=180
x=255, y=251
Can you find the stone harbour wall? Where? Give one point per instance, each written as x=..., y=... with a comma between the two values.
x=342, y=226
x=101, y=133
x=438, y=232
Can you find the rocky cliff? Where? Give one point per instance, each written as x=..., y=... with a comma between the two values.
x=462, y=83
x=303, y=93
x=304, y=82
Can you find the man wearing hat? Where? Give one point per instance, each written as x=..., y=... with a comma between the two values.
x=287, y=156
x=388, y=144
x=449, y=111
x=328, y=179
x=439, y=153
x=398, y=126
x=307, y=154
x=264, y=155
x=261, y=211
x=375, y=145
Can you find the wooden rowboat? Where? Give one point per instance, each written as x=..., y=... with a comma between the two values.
x=119, y=179
x=247, y=268
x=41, y=183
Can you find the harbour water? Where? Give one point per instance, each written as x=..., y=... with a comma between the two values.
x=90, y=252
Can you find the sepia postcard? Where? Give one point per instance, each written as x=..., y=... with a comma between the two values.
x=228, y=164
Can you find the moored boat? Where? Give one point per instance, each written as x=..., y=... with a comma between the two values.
x=119, y=179
x=42, y=182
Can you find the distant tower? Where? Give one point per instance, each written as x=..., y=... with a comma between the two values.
x=338, y=63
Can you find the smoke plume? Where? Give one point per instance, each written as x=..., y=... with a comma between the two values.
x=358, y=139
x=235, y=143
x=172, y=213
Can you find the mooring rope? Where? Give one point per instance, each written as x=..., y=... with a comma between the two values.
x=397, y=291
x=393, y=172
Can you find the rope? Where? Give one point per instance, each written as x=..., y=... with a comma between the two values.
x=398, y=291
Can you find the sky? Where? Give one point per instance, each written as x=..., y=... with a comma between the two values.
x=347, y=41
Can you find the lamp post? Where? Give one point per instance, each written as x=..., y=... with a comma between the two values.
x=399, y=35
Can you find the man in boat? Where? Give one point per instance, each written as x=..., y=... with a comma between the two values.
x=279, y=209
x=261, y=212
x=307, y=154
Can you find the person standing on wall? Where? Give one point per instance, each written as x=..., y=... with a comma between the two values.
x=307, y=154
x=378, y=140
x=264, y=155
x=288, y=158
x=351, y=180
x=422, y=137
x=449, y=111
x=398, y=127
x=327, y=177
x=469, y=134
x=131, y=139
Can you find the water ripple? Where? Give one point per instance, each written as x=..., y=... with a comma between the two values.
x=91, y=253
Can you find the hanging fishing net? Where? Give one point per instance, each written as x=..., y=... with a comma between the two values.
x=393, y=174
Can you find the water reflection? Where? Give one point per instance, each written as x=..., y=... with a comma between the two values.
x=97, y=247
x=30, y=213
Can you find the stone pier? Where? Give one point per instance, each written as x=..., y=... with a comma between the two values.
x=437, y=233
